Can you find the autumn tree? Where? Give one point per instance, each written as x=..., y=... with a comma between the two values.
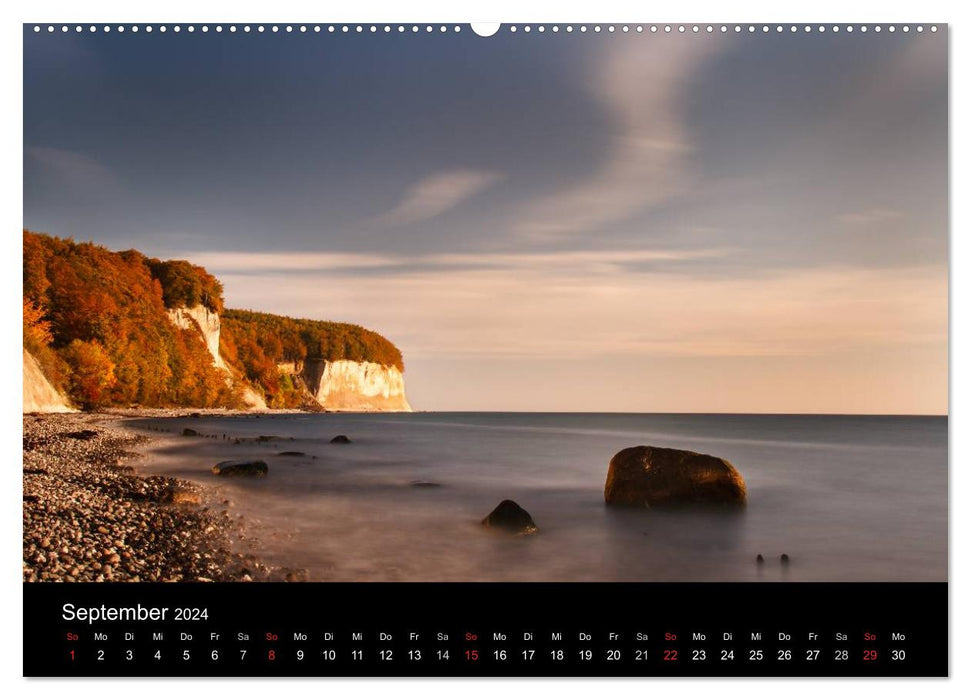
x=37, y=330
x=92, y=372
x=115, y=307
x=99, y=321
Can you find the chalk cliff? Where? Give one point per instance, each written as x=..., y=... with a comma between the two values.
x=208, y=324
x=40, y=396
x=345, y=385
x=123, y=329
x=338, y=385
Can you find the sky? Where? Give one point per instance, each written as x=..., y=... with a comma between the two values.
x=541, y=222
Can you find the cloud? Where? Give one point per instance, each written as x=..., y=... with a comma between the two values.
x=868, y=216
x=296, y=261
x=642, y=88
x=75, y=169
x=438, y=193
x=575, y=261
x=579, y=305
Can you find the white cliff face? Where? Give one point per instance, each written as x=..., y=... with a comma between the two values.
x=342, y=385
x=345, y=385
x=208, y=324
x=40, y=396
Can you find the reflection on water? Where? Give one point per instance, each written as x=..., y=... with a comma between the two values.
x=848, y=498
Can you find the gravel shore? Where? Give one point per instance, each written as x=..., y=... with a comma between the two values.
x=89, y=517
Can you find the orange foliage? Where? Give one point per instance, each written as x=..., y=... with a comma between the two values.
x=93, y=373
x=37, y=330
x=256, y=342
x=97, y=321
x=101, y=317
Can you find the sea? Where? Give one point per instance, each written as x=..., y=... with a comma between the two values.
x=847, y=498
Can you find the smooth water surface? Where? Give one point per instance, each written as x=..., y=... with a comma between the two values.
x=848, y=498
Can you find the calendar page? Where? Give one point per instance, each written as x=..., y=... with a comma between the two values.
x=544, y=349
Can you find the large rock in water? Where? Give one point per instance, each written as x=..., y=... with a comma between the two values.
x=659, y=476
x=244, y=467
x=509, y=516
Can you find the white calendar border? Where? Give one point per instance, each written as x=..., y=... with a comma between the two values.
x=831, y=11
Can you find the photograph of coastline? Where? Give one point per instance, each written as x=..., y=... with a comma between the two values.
x=430, y=306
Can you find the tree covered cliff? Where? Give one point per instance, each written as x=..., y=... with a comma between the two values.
x=258, y=342
x=97, y=321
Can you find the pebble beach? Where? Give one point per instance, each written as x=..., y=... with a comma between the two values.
x=88, y=515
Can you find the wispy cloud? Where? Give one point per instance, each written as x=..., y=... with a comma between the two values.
x=576, y=305
x=869, y=216
x=438, y=193
x=642, y=87
x=307, y=261
x=75, y=168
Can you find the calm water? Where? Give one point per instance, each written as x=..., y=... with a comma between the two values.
x=848, y=498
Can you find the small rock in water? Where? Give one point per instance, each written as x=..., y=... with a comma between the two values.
x=340, y=440
x=189, y=432
x=291, y=453
x=509, y=516
x=759, y=559
x=253, y=467
x=784, y=558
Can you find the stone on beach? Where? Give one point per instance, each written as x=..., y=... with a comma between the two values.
x=84, y=520
x=82, y=434
x=340, y=440
x=511, y=517
x=241, y=467
x=189, y=432
x=647, y=476
x=177, y=496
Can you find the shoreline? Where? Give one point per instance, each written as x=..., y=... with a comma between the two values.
x=89, y=516
x=365, y=512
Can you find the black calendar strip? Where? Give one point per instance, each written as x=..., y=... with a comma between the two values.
x=486, y=629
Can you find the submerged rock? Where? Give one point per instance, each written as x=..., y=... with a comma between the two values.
x=509, y=516
x=291, y=453
x=340, y=440
x=189, y=432
x=251, y=467
x=657, y=476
